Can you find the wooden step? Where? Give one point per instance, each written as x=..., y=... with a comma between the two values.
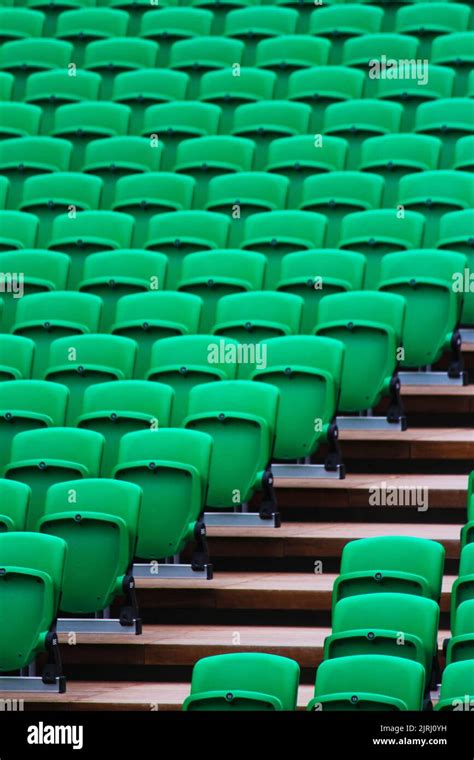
x=317, y=540
x=438, y=400
x=249, y=591
x=444, y=491
x=414, y=443
x=183, y=645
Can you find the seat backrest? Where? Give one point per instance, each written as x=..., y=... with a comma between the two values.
x=16, y=357
x=14, y=498
x=456, y=685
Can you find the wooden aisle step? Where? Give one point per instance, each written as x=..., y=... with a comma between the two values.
x=249, y=591
x=432, y=399
x=183, y=645
x=444, y=491
x=324, y=539
x=414, y=443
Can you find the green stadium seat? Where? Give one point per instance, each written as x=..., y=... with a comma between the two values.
x=314, y=274
x=90, y=232
x=375, y=233
x=146, y=86
x=243, y=681
x=176, y=24
x=89, y=119
x=253, y=317
x=321, y=84
x=290, y=52
x=467, y=532
x=28, y=405
x=301, y=155
x=433, y=309
x=16, y=357
x=453, y=49
x=147, y=317
x=463, y=155
x=124, y=406
x=179, y=233
x=20, y=23
x=241, y=418
x=276, y=233
x=273, y=118
x=30, y=588
x=369, y=683
x=205, y=53
x=428, y=20
x=91, y=24
x=19, y=120
x=100, y=529
x=85, y=360
x=400, y=564
x=256, y=23
x=225, y=87
x=364, y=49
x=22, y=156
x=372, y=623
x=4, y=186
x=204, y=157
x=14, y=498
x=41, y=458
x=457, y=687
x=6, y=85
x=183, y=362
x=17, y=230
x=445, y=115
x=33, y=54
x=43, y=317
x=111, y=56
x=58, y=87
x=461, y=646
x=456, y=231
x=40, y=271
x=171, y=466
x=406, y=89
x=307, y=372
x=462, y=590
x=339, y=23
x=245, y=193
x=371, y=327
x=214, y=274
x=114, y=274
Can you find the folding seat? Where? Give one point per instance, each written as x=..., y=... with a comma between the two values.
x=89, y=24
x=28, y=405
x=255, y=23
x=99, y=527
x=17, y=230
x=450, y=119
x=314, y=274
x=147, y=317
x=461, y=646
x=322, y=84
x=433, y=310
x=27, y=272
x=112, y=56
x=23, y=156
x=124, y=406
x=19, y=120
x=16, y=357
x=6, y=85
x=375, y=233
x=435, y=193
x=455, y=50
x=23, y=57
x=371, y=624
x=145, y=195
x=393, y=156
x=114, y=274
x=462, y=590
x=268, y=119
x=244, y=681
x=292, y=51
x=243, y=194
x=303, y=156
x=186, y=361
x=371, y=327
x=179, y=233
x=174, y=122
x=206, y=157
x=4, y=187
x=369, y=51
x=43, y=317
x=171, y=466
x=400, y=564
x=467, y=534
x=253, y=317
x=457, y=687
x=463, y=154
x=47, y=195
x=172, y=24
x=90, y=232
x=225, y=87
x=456, y=233
x=335, y=194
x=51, y=89
x=214, y=274
x=340, y=23
x=143, y=87
x=241, y=418
x=356, y=120
x=118, y=157
x=409, y=90
x=205, y=53
x=14, y=498
x=19, y=23
x=84, y=360
x=369, y=683
x=427, y=20
x=275, y=233
x=307, y=372
x=30, y=589
x=41, y=458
